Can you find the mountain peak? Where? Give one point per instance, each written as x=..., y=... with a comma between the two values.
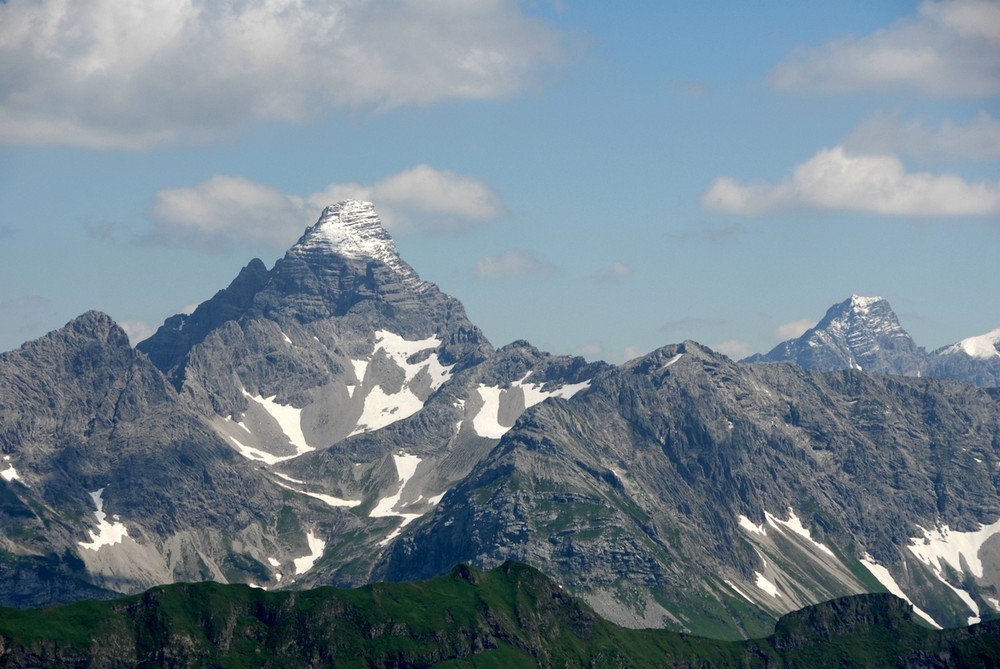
x=863, y=304
x=352, y=229
x=985, y=347
x=862, y=332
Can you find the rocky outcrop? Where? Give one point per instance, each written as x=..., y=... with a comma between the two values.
x=689, y=491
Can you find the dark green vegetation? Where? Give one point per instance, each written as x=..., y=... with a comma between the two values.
x=512, y=616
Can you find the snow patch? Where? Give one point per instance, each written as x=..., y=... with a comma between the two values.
x=406, y=467
x=952, y=547
x=287, y=340
x=983, y=347
x=486, y=422
x=305, y=563
x=329, y=500
x=738, y=591
x=360, y=367
x=380, y=408
x=251, y=453
x=107, y=534
x=886, y=579
x=795, y=525
x=766, y=585
x=289, y=419
x=748, y=525
x=672, y=361
x=10, y=474
x=273, y=562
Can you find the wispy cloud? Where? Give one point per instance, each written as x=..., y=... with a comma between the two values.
x=137, y=73
x=950, y=48
x=837, y=179
x=512, y=263
x=422, y=198
x=613, y=272
x=226, y=210
x=794, y=329
x=137, y=331
x=914, y=138
x=734, y=348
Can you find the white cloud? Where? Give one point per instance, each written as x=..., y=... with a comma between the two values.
x=613, y=272
x=225, y=211
x=422, y=198
x=512, y=263
x=890, y=133
x=632, y=352
x=836, y=179
x=794, y=329
x=733, y=348
x=137, y=331
x=137, y=73
x=949, y=48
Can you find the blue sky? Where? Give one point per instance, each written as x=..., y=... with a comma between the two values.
x=597, y=180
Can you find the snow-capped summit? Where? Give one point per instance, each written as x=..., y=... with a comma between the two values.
x=862, y=332
x=984, y=346
x=352, y=229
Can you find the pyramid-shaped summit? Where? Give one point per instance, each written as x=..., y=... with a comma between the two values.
x=859, y=333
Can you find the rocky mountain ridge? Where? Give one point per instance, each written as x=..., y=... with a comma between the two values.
x=337, y=420
x=864, y=333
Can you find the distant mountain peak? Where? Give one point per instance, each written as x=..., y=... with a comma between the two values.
x=983, y=346
x=862, y=332
x=352, y=229
x=862, y=303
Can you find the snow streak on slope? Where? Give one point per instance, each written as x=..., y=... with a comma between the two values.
x=958, y=550
x=382, y=408
x=107, y=534
x=289, y=419
x=886, y=579
x=406, y=467
x=486, y=422
x=305, y=563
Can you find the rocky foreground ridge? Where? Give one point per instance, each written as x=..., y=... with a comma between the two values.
x=336, y=420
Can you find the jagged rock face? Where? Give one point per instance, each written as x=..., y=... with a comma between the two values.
x=284, y=432
x=864, y=333
x=100, y=451
x=859, y=333
x=340, y=317
x=690, y=491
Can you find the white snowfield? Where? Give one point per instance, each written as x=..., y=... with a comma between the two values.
x=958, y=550
x=9, y=474
x=406, y=467
x=107, y=534
x=983, y=346
x=289, y=419
x=486, y=422
x=329, y=500
x=305, y=563
x=382, y=408
x=886, y=579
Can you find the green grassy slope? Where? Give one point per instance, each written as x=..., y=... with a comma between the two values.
x=512, y=616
